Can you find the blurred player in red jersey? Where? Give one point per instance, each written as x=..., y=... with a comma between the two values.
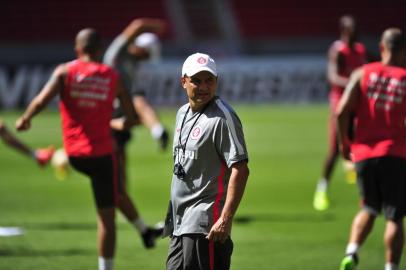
x=87, y=89
x=42, y=155
x=344, y=55
x=376, y=97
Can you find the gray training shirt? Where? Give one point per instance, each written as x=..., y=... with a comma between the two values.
x=215, y=143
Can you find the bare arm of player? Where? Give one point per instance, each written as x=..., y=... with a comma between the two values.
x=142, y=25
x=221, y=230
x=344, y=111
x=130, y=119
x=52, y=88
x=332, y=68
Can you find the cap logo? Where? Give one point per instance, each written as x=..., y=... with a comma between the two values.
x=201, y=60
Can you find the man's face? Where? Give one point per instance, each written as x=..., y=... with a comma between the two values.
x=138, y=53
x=200, y=87
x=349, y=28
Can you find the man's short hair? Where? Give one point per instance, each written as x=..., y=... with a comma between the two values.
x=88, y=40
x=394, y=39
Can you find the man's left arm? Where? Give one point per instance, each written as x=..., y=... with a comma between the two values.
x=221, y=230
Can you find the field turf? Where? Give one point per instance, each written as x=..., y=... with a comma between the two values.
x=275, y=228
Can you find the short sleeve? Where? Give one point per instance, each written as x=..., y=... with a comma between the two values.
x=113, y=51
x=229, y=139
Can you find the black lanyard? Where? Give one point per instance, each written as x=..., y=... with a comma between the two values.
x=190, y=130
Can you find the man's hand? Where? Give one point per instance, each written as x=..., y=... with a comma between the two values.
x=346, y=151
x=220, y=231
x=141, y=25
x=118, y=124
x=23, y=124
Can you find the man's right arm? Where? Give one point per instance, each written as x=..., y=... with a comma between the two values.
x=333, y=76
x=52, y=88
x=221, y=230
x=345, y=109
x=128, y=35
x=141, y=25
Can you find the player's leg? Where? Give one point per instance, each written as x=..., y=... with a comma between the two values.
x=368, y=184
x=150, y=119
x=128, y=208
x=12, y=141
x=42, y=155
x=106, y=231
x=394, y=241
x=392, y=178
x=102, y=175
x=360, y=229
x=104, y=184
x=125, y=204
x=332, y=154
x=321, y=200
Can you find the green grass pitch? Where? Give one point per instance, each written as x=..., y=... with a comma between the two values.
x=275, y=227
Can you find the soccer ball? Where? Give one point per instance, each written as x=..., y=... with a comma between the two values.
x=59, y=158
x=60, y=163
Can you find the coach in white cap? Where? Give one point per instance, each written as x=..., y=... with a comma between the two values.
x=209, y=175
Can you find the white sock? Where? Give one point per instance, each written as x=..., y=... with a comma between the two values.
x=391, y=266
x=140, y=225
x=105, y=263
x=322, y=185
x=352, y=248
x=157, y=130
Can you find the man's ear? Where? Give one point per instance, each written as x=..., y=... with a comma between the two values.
x=183, y=81
x=381, y=47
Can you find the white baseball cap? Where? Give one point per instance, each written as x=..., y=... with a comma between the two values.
x=151, y=43
x=199, y=62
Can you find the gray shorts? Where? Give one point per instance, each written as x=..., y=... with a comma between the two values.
x=195, y=252
x=382, y=184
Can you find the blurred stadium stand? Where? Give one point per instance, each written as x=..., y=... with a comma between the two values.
x=247, y=37
x=34, y=28
x=294, y=26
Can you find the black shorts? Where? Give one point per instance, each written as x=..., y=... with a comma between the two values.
x=102, y=172
x=194, y=251
x=382, y=184
x=121, y=137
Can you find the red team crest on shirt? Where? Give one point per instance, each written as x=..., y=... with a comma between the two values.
x=196, y=133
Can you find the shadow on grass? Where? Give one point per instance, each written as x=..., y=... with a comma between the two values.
x=290, y=217
x=26, y=252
